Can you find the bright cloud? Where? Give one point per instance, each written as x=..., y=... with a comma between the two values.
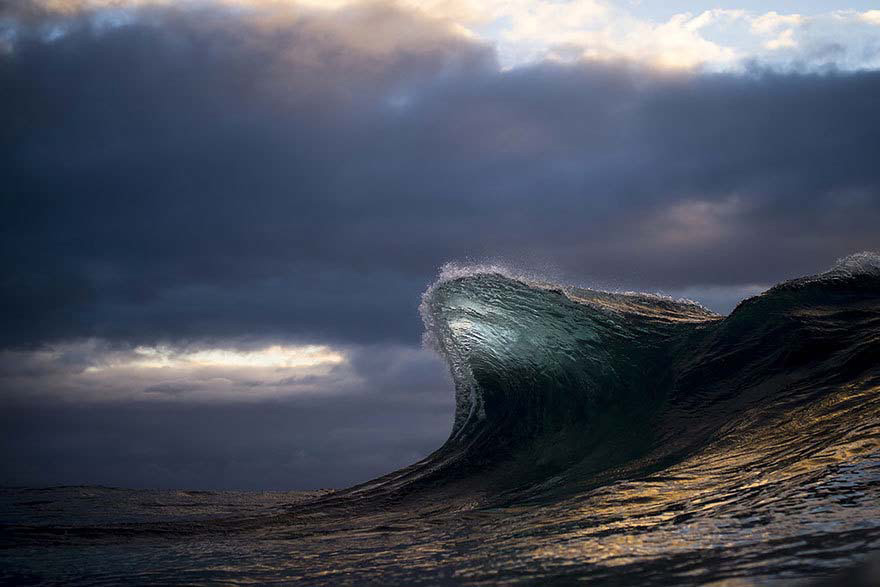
x=91, y=370
x=276, y=357
x=871, y=16
x=526, y=31
x=771, y=22
x=718, y=39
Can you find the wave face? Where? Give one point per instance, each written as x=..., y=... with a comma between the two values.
x=558, y=388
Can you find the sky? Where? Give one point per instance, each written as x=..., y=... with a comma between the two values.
x=219, y=216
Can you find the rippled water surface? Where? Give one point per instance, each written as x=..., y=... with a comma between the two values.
x=613, y=439
x=696, y=523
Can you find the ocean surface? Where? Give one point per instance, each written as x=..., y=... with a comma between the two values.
x=599, y=438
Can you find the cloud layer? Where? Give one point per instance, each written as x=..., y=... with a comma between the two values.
x=249, y=176
x=206, y=173
x=87, y=413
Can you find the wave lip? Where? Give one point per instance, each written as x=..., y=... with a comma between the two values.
x=865, y=263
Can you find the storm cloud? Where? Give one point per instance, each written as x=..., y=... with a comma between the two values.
x=256, y=175
x=186, y=173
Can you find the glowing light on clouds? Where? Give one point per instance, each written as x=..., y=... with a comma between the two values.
x=273, y=357
x=525, y=31
x=92, y=370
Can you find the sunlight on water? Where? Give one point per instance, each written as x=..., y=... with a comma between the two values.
x=599, y=437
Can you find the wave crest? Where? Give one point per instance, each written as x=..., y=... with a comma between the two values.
x=558, y=385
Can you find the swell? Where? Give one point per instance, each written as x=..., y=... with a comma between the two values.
x=560, y=389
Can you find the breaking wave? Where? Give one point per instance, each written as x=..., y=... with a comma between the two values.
x=561, y=388
x=621, y=438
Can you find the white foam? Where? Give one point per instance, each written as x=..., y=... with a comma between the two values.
x=864, y=263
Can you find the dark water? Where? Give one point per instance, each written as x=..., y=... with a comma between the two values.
x=614, y=439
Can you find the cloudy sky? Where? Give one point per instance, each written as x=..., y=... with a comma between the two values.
x=218, y=217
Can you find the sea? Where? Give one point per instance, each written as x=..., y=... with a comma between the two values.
x=599, y=438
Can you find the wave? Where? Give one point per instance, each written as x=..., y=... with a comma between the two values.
x=621, y=438
x=561, y=388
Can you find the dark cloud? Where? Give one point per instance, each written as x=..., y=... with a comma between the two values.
x=271, y=445
x=197, y=173
x=391, y=407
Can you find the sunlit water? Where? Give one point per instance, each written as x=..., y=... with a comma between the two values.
x=602, y=438
x=705, y=521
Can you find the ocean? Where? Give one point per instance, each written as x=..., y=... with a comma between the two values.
x=599, y=438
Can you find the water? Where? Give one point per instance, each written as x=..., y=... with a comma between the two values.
x=618, y=439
